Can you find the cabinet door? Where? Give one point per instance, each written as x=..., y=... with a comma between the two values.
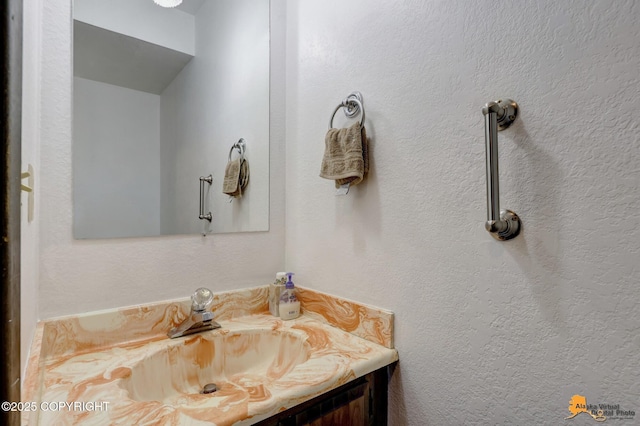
x=351, y=414
x=360, y=402
x=348, y=407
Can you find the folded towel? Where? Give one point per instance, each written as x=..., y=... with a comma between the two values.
x=346, y=156
x=236, y=177
x=243, y=181
x=231, y=177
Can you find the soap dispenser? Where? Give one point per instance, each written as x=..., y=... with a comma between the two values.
x=289, y=305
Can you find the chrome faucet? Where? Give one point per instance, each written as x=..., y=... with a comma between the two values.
x=200, y=318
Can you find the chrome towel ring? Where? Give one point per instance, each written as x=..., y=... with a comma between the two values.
x=230, y=186
x=352, y=105
x=240, y=146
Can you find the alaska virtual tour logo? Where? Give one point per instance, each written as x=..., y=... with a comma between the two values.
x=599, y=412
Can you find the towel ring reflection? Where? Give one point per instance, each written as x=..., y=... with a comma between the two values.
x=352, y=106
x=240, y=146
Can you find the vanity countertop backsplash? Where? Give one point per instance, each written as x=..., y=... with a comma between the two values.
x=119, y=366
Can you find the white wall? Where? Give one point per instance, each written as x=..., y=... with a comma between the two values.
x=222, y=95
x=79, y=276
x=488, y=332
x=116, y=147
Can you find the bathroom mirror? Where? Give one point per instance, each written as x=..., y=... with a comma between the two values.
x=160, y=97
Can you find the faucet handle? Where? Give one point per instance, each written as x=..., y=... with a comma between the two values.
x=201, y=299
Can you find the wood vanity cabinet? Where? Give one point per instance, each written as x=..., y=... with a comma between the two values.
x=361, y=402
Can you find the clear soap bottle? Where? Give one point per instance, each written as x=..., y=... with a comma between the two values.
x=289, y=305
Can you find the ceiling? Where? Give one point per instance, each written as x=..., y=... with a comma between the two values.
x=190, y=6
x=114, y=58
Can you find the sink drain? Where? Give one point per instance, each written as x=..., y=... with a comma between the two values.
x=209, y=388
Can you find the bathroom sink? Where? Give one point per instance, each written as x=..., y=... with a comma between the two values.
x=245, y=361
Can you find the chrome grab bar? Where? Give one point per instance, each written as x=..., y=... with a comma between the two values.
x=203, y=216
x=498, y=115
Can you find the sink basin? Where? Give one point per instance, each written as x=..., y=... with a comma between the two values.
x=249, y=359
x=260, y=364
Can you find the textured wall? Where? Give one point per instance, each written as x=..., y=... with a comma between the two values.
x=488, y=332
x=79, y=276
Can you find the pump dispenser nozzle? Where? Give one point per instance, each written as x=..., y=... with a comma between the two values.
x=289, y=282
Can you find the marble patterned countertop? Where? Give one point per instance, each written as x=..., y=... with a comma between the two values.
x=118, y=366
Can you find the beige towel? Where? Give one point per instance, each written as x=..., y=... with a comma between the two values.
x=346, y=156
x=236, y=177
